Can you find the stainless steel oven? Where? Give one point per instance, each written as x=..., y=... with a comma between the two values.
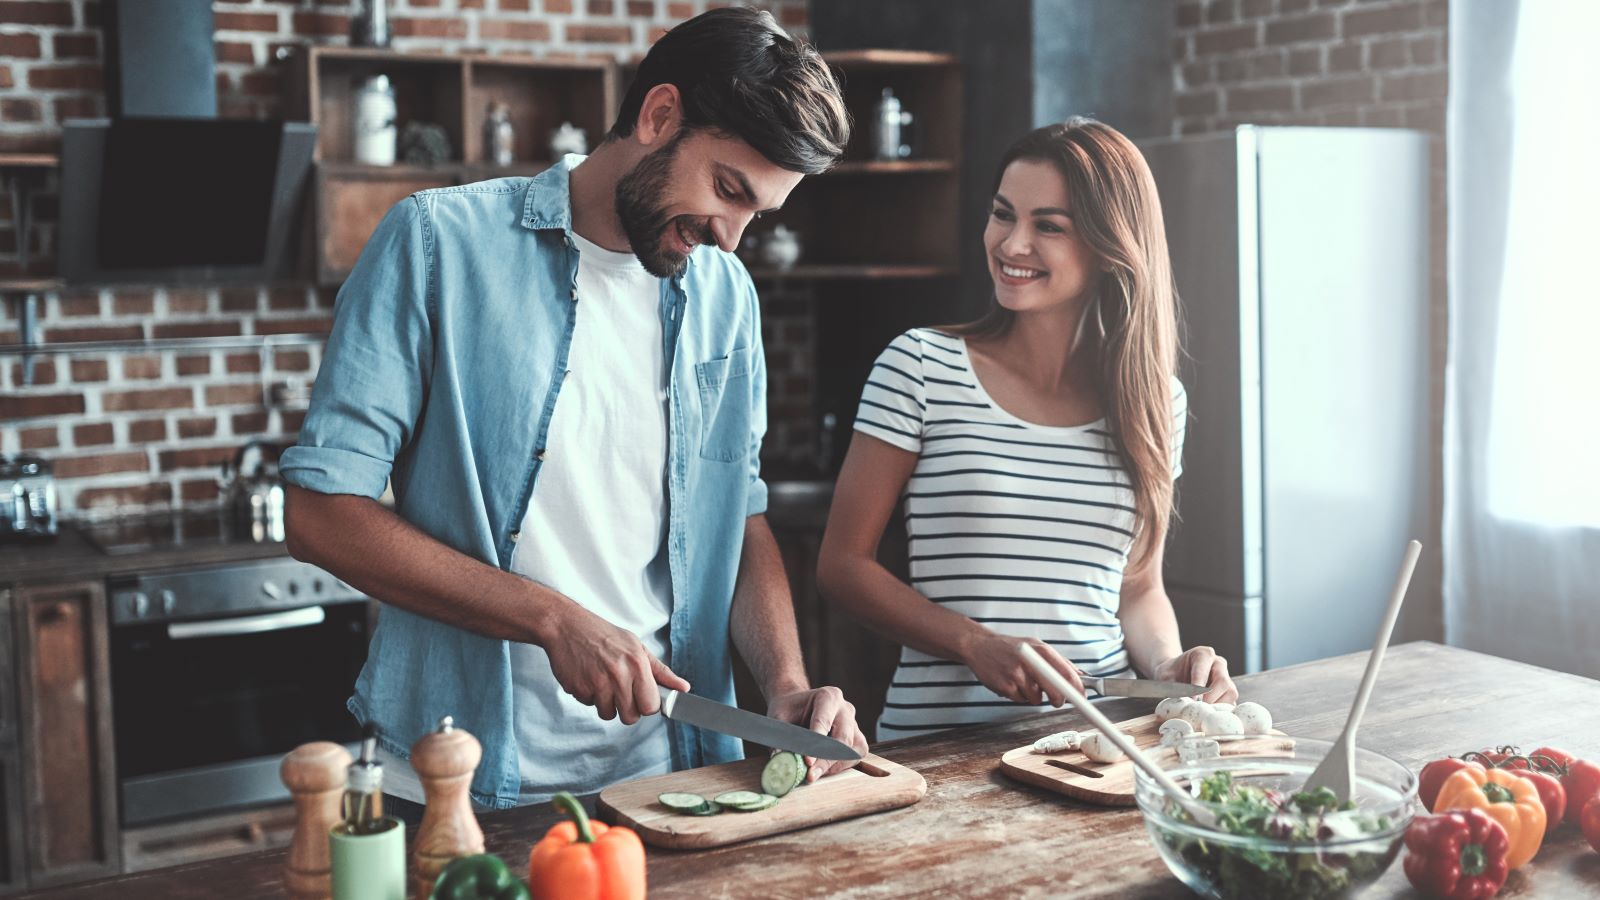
x=217, y=672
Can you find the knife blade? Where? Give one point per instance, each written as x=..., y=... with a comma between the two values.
x=1141, y=687
x=759, y=729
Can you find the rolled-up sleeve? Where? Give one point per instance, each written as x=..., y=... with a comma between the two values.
x=756, y=495
x=375, y=369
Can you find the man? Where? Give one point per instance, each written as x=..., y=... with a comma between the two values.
x=566, y=391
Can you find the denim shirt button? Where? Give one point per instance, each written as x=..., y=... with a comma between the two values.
x=574, y=293
x=540, y=455
x=515, y=536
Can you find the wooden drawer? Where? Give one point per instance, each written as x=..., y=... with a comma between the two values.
x=8, y=674
x=159, y=846
x=11, y=824
x=65, y=746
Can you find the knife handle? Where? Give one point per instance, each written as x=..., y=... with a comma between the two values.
x=669, y=699
x=1093, y=683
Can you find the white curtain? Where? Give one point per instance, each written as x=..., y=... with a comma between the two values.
x=1522, y=408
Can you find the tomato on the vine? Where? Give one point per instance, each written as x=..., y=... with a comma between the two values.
x=1560, y=757
x=1582, y=783
x=1589, y=821
x=1551, y=794
x=1432, y=777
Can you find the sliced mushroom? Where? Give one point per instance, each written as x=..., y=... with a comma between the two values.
x=1057, y=743
x=1099, y=748
x=1174, y=730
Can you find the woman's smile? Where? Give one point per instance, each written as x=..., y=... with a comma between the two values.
x=1017, y=276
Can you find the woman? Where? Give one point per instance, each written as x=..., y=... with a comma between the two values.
x=1036, y=448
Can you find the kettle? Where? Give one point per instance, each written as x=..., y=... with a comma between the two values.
x=255, y=496
x=27, y=499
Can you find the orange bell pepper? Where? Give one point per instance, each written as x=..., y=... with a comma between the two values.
x=1510, y=800
x=583, y=860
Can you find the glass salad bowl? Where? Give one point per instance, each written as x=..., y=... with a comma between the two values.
x=1271, y=840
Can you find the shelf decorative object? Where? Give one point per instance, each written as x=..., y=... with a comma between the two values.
x=569, y=138
x=499, y=135
x=374, y=122
x=424, y=144
x=369, y=27
x=890, y=128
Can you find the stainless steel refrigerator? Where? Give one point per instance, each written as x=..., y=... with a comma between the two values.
x=1302, y=263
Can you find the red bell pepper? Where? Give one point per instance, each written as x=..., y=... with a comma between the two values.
x=1433, y=775
x=1458, y=855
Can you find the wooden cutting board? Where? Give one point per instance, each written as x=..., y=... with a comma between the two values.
x=1111, y=784
x=875, y=785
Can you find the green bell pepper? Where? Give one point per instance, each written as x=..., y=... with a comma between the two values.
x=481, y=877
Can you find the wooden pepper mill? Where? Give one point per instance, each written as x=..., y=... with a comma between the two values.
x=444, y=761
x=314, y=774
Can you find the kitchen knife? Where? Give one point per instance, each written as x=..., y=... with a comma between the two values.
x=1140, y=687
x=763, y=730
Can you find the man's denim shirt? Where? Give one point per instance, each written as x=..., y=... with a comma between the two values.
x=445, y=364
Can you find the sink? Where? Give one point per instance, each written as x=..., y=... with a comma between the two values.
x=799, y=503
x=800, y=491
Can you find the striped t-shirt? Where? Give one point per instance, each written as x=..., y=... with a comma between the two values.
x=1025, y=528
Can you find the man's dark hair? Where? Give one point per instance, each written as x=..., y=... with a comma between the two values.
x=740, y=75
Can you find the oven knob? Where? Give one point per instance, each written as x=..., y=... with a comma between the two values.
x=139, y=605
x=271, y=590
x=169, y=602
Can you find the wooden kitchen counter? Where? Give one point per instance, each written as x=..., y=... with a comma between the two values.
x=979, y=834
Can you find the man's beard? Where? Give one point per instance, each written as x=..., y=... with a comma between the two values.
x=644, y=220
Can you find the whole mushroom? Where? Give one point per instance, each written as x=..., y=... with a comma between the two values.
x=1172, y=707
x=1219, y=722
x=1195, y=714
x=1254, y=717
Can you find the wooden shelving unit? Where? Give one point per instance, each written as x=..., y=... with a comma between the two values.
x=39, y=285
x=453, y=91
x=891, y=167
x=29, y=161
x=855, y=272
x=869, y=221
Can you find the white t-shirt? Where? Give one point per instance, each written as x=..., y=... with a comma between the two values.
x=595, y=530
x=1025, y=528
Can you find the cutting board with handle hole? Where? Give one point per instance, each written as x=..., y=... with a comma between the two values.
x=1111, y=784
x=875, y=785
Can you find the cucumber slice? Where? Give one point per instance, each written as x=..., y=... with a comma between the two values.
x=707, y=808
x=767, y=801
x=783, y=773
x=738, y=799
x=681, y=802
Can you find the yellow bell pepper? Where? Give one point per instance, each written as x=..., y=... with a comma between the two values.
x=1510, y=800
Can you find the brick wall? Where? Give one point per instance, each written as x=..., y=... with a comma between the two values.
x=1380, y=63
x=140, y=430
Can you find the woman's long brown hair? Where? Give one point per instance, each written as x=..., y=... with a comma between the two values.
x=1131, y=322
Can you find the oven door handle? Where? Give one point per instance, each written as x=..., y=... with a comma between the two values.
x=278, y=621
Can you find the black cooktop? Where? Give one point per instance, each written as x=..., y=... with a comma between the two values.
x=165, y=531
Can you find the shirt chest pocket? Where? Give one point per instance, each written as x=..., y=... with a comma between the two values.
x=725, y=406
